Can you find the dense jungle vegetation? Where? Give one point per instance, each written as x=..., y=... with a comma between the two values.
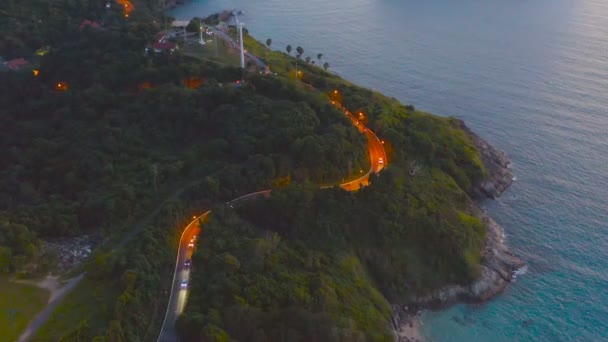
x=129, y=151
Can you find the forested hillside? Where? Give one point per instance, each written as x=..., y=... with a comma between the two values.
x=94, y=157
x=309, y=264
x=102, y=136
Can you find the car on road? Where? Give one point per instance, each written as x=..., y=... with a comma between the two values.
x=190, y=244
x=187, y=263
x=380, y=161
x=184, y=284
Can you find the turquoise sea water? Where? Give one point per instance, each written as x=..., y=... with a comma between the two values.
x=529, y=76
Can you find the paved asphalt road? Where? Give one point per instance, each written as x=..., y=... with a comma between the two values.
x=377, y=154
x=179, y=294
x=43, y=315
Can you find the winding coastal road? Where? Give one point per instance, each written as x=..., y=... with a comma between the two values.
x=181, y=274
x=179, y=293
x=377, y=154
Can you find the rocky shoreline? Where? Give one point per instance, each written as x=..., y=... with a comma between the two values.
x=498, y=263
x=499, y=178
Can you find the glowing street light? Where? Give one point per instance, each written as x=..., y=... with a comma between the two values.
x=61, y=86
x=200, y=38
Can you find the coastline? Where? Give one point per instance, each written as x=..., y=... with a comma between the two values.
x=406, y=324
x=498, y=268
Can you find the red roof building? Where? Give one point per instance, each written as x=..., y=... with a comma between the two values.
x=90, y=23
x=16, y=64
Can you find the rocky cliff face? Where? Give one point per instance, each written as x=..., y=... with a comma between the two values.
x=497, y=270
x=498, y=263
x=496, y=163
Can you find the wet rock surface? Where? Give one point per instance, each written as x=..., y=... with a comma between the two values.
x=498, y=265
x=497, y=271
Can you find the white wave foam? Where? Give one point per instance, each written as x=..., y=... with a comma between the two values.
x=520, y=271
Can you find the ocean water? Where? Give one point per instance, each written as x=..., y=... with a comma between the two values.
x=529, y=76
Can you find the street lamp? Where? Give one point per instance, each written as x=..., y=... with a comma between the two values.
x=200, y=39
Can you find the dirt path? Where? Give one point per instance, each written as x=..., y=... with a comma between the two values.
x=57, y=292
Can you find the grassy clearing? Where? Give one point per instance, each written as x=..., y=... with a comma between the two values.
x=210, y=52
x=88, y=302
x=19, y=303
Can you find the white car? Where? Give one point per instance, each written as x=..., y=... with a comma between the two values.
x=380, y=161
x=190, y=244
x=184, y=284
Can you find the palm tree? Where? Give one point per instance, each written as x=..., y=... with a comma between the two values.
x=308, y=59
x=268, y=42
x=319, y=56
x=300, y=50
x=288, y=49
x=326, y=66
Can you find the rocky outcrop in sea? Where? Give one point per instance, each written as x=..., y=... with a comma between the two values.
x=499, y=177
x=498, y=265
x=497, y=271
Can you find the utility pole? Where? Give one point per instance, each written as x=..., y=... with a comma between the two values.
x=236, y=18
x=241, y=42
x=201, y=41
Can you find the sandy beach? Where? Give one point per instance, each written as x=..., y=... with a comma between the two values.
x=410, y=330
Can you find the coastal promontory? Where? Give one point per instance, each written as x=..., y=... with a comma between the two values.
x=121, y=131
